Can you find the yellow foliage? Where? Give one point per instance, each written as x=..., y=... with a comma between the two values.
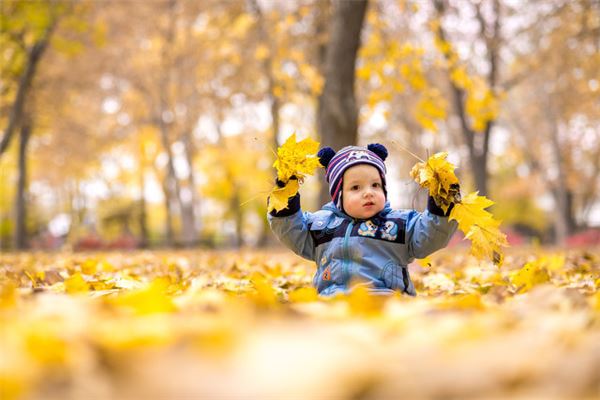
x=460, y=78
x=278, y=199
x=431, y=107
x=364, y=72
x=303, y=295
x=278, y=91
x=471, y=301
x=8, y=295
x=487, y=240
x=311, y=74
x=76, y=284
x=481, y=105
x=471, y=211
x=46, y=343
x=362, y=302
x=241, y=25
x=293, y=159
x=148, y=300
x=478, y=225
x=265, y=295
x=225, y=311
x=296, y=158
x=262, y=52
x=530, y=275
x=597, y=302
x=424, y=262
x=437, y=175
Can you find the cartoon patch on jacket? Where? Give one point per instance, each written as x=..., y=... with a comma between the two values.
x=389, y=231
x=367, y=228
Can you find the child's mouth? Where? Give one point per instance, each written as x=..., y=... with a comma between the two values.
x=369, y=204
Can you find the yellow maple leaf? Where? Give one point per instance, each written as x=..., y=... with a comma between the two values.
x=486, y=241
x=470, y=211
x=265, y=294
x=76, y=284
x=303, y=295
x=279, y=196
x=296, y=158
x=531, y=274
x=293, y=159
x=437, y=175
x=478, y=225
x=147, y=300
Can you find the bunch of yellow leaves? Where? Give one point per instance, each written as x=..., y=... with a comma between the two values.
x=478, y=225
x=437, y=175
x=296, y=159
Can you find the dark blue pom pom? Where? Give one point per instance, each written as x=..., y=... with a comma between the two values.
x=378, y=149
x=325, y=155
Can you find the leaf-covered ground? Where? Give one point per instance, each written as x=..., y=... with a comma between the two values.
x=165, y=325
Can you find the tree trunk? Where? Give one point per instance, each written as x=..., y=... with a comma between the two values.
x=477, y=143
x=143, y=217
x=238, y=217
x=268, y=70
x=169, y=231
x=16, y=111
x=171, y=185
x=563, y=197
x=337, y=114
x=20, y=201
x=189, y=206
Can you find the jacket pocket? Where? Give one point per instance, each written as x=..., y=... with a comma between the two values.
x=395, y=277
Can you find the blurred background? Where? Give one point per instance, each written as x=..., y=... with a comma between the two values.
x=153, y=124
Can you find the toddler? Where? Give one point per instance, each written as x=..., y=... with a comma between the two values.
x=357, y=239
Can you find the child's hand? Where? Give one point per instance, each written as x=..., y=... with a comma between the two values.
x=293, y=203
x=454, y=193
x=282, y=184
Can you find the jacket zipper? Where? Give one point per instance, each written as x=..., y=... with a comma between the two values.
x=346, y=261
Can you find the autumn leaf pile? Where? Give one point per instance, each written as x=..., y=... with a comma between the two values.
x=478, y=225
x=249, y=325
x=294, y=159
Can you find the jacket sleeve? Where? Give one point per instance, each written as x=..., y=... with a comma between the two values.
x=428, y=231
x=290, y=226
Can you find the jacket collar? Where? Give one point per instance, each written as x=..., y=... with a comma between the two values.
x=339, y=213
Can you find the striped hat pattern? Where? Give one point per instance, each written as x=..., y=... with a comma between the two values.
x=337, y=163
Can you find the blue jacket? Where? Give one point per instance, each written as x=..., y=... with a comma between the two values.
x=372, y=252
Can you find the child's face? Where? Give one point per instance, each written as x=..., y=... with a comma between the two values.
x=362, y=192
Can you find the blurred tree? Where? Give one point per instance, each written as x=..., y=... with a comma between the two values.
x=167, y=95
x=26, y=31
x=338, y=114
x=288, y=54
x=236, y=172
x=400, y=89
x=474, y=97
x=557, y=113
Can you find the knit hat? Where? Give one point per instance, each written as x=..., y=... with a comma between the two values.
x=337, y=163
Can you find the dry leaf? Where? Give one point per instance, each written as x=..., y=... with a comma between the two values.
x=478, y=225
x=296, y=159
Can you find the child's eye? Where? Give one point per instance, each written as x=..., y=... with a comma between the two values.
x=377, y=185
x=355, y=187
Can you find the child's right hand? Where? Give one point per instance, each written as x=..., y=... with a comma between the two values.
x=282, y=184
x=293, y=202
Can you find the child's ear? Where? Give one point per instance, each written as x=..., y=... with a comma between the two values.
x=325, y=155
x=378, y=149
